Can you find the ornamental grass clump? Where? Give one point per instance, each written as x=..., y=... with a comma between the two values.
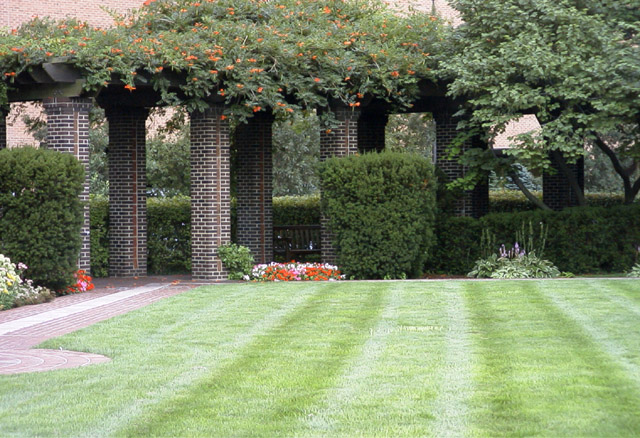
x=17, y=291
x=293, y=271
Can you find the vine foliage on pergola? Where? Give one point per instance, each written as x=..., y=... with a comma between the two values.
x=250, y=54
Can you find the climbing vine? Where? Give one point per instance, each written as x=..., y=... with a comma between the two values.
x=250, y=54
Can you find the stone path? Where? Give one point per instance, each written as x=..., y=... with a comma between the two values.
x=25, y=327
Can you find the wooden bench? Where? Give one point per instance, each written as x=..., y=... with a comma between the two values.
x=293, y=241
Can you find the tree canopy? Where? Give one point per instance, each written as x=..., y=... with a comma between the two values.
x=250, y=54
x=574, y=64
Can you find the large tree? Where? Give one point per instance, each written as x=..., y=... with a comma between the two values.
x=574, y=64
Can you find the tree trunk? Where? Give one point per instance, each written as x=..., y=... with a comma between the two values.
x=530, y=196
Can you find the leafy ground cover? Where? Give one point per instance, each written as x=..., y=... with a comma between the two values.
x=486, y=358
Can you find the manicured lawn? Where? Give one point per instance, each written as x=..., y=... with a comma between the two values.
x=459, y=358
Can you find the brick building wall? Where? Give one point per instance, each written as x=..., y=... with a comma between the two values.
x=15, y=12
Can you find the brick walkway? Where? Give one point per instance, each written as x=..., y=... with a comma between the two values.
x=25, y=327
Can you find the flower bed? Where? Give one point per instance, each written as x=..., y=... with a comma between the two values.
x=293, y=271
x=16, y=291
x=83, y=283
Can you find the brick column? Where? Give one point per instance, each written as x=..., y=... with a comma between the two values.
x=127, y=192
x=255, y=186
x=371, y=131
x=3, y=127
x=210, y=192
x=68, y=132
x=556, y=189
x=474, y=202
x=341, y=141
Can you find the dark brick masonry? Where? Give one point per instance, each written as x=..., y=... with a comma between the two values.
x=210, y=192
x=3, y=128
x=127, y=192
x=556, y=190
x=255, y=186
x=68, y=132
x=474, y=202
x=341, y=141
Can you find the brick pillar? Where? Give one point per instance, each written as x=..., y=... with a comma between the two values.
x=210, y=192
x=340, y=141
x=556, y=189
x=474, y=202
x=3, y=127
x=68, y=132
x=255, y=186
x=127, y=192
x=371, y=131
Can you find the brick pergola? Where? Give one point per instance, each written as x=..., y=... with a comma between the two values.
x=67, y=107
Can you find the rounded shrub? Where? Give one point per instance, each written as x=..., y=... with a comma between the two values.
x=41, y=213
x=381, y=209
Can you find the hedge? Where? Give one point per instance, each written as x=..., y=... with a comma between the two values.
x=380, y=209
x=296, y=210
x=168, y=236
x=580, y=240
x=514, y=200
x=168, y=229
x=458, y=238
x=41, y=213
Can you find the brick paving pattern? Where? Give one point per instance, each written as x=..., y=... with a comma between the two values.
x=74, y=312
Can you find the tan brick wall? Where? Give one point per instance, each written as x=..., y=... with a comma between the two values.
x=15, y=12
x=441, y=7
x=524, y=124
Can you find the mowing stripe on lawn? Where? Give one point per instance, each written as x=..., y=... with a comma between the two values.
x=625, y=293
x=451, y=408
x=411, y=377
x=606, y=322
x=539, y=372
x=174, y=341
x=324, y=421
x=275, y=378
x=232, y=348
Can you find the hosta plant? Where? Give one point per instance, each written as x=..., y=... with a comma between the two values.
x=513, y=263
x=635, y=271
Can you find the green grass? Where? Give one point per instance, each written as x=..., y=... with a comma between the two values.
x=456, y=358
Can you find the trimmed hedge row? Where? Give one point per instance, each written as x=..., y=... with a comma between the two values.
x=580, y=240
x=41, y=213
x=296, y=210
x=169, y=230
x=168, y=236
x=514, y=200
